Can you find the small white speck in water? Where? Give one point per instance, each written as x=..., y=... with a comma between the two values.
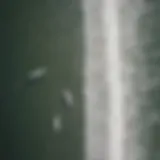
x=37, y=73
x=68, y=97
x=57, y=123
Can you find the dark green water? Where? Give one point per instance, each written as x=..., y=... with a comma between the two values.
x=151, y=49
x=41, y=33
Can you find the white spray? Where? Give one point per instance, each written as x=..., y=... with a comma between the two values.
x=114, y=72
x=114, y=80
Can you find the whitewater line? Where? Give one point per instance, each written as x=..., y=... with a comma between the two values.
x=116, y=128
x=94, y=81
